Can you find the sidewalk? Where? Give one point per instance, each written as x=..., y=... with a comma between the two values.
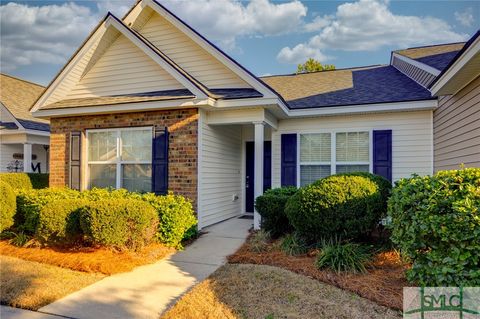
x=147, y=291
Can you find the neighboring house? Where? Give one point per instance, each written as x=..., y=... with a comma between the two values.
x=24, y=139
x=148, y=104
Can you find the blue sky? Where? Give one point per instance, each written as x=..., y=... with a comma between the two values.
x=267, y=37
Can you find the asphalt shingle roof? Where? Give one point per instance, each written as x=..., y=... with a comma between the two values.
x=380, y=84
x=438, y=61
x=420, y=52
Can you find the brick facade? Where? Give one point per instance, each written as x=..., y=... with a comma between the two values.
x=183, y=152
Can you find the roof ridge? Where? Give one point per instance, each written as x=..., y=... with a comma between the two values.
x=22, y=80
x=341, y=69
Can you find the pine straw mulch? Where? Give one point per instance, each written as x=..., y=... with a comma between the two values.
x=88, y=259
x=383, y=283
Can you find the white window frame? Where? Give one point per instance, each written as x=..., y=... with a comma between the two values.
x=333, y=153
x=117, y=160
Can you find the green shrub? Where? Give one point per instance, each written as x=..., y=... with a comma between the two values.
x=176, y=217
x=271, y=206
x=8, y=206
x=337, y=256
x=293, y=245
x=17, y=181
x=119, y=223
x=436, y=224
x=59, y=221
x=259, y=240
x=348, y=206
x=39, y=180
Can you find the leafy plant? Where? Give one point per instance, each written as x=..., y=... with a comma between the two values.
x=20, y=239
x=436, y=224
x=258, y=242
x=293, y=244
x=38, y=180
x=16, y=180
x=312, y=65
x=8, y=206
x=343, y=257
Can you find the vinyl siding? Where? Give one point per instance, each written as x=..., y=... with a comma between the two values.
x=189, y=55
x=123, y=69
x=457, y=130
x=220, y=162
x=411, y=138
x=7, y=151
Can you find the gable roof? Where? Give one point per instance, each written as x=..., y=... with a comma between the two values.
x=438, y=61
x=368, y=85
x=430, y=50
x=17, y=96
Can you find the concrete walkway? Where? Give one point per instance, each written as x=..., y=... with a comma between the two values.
x=147, y=291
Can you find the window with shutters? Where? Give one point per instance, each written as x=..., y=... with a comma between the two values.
x=324, y=154
x=120, y=158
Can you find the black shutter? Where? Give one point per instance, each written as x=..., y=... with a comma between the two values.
x=289, y=160
x=382, y=153
x=160, y=161
x=75, y=159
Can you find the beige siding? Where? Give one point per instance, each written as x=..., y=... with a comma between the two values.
x=189, y=55
x=220, y=162
x=411, y=138
x=456, y=127
x=123, y=69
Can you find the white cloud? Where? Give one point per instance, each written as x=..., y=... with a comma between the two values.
x=368, y=25
x=465, y=17
x=300, y=53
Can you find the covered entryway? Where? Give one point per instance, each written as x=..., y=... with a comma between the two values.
x=250, y=172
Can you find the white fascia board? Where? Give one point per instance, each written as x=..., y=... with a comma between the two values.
x=119, y=108
x=457, y=66
x=243, y=74
x=23, y=131
x=417, y=64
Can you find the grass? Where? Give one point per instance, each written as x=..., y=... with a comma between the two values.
x=86, y=259
x=260, y=291
x=32, y=285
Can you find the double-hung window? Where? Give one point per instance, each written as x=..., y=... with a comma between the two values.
x=120, y=158
x=323, y=154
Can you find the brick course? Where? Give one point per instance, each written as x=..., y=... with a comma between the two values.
x=183, y=152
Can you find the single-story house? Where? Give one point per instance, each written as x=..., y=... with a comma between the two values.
x=149, y=104
x=24, y=139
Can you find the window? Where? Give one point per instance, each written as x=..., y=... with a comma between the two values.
x=351, y=153
x=120, y=158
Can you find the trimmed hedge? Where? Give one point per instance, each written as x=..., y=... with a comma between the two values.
x=176, y=217
x=271, y=206
x=8, y=206
x=436, y=224
x=346, y=206
x=119, y=223
x=39, y=180
x=17, y=181
x=59, y=221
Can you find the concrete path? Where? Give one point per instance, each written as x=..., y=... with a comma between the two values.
x=16, y=313
x=147, y=291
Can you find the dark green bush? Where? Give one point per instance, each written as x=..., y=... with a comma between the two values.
x=347, y=206
x=271, y=206
x=59, y=221
x=17, y=181
x=119, y=223
x=176, y=217
x=293, y=244
x=8, y=206
x=436, y=224
x=348, y=257
x=39, y=180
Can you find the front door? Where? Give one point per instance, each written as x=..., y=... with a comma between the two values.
x=250, y=172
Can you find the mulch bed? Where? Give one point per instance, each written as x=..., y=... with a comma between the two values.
x=383, y=283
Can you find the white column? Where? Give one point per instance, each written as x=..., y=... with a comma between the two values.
x=27, y=158
x=258, y=187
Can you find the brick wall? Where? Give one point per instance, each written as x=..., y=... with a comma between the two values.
x=183, y=128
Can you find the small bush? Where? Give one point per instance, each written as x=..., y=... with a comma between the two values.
x=348, y=206
x=348, y=257
x=17, y=181
x=119, y=223
x=176, y=217
x=271, y=206
x=293, y=245
x=8, y=206
x=59, y=221
x=259, y=240
x=436, y=224
x=39, y=180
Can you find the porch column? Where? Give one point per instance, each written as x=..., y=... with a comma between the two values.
x=27, y=158
x=258, y=187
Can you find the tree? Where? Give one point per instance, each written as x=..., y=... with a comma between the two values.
x=312, y=65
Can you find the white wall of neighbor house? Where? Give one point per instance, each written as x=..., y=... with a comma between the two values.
x=219, y=180
x=7, y=152
x=412, y=138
